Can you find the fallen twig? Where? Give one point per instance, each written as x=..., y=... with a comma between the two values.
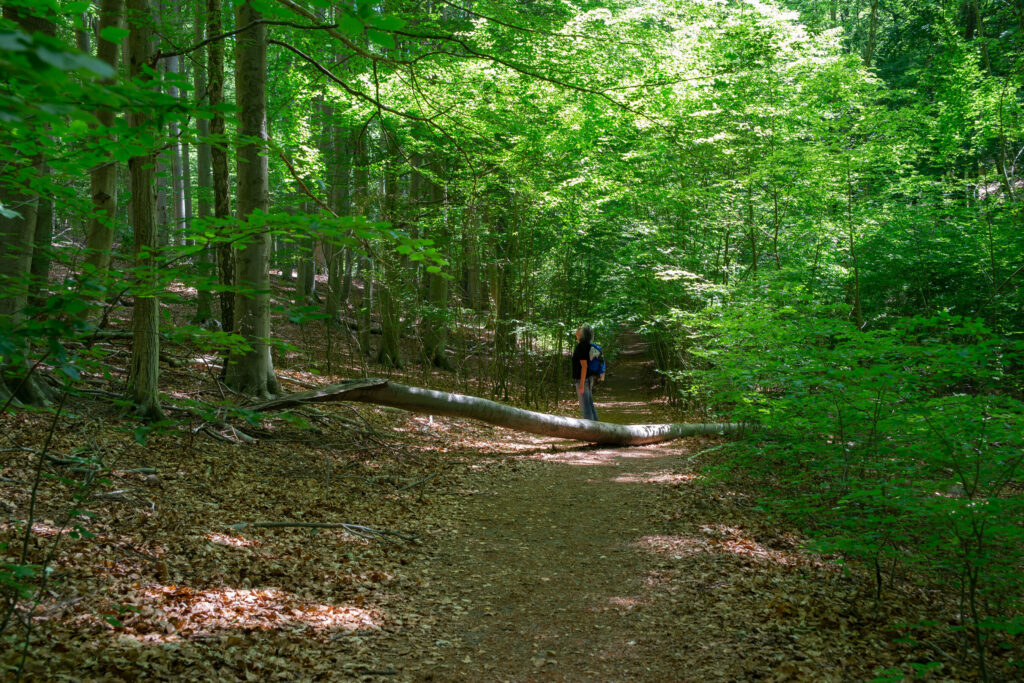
x=237, y=435
x=424, y=480
x=357, y=529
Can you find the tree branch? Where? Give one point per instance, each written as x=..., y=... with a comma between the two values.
x=184, y=51
x=350, y=90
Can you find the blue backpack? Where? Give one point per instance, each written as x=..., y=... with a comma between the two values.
x=595, y=365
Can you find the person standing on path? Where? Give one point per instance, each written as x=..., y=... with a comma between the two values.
x=583, y=381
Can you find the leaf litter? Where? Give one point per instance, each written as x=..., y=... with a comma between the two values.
x=520, y=558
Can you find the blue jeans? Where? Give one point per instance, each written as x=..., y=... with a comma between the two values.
x=586, y=398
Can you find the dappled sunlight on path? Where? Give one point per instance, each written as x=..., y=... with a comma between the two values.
x=586, y=563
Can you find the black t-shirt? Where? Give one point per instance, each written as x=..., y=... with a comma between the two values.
x=582, y=352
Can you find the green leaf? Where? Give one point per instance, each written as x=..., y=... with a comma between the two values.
x=381, y=38
x=141, y=433
x=350, y=25
x=113, y=34
x=387, y=23
x=14, y=41
x=8, y=213
x=69, y=61
x=77, y=7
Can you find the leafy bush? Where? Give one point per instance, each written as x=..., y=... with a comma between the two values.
x=891, y=447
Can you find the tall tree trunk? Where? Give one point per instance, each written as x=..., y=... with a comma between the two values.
x=472, y=292
x=186, y=161
x=345, y=207
x=360, y=183
x=17, y=243
x=177, y=195
x=339, y=259
x=17, y=238
x=858, y=312
x=252, y=371
x=219, y=165
x=361, y=194
x=163, y=177
x=143, y=378
x=435, y=330
x=366, y=310
x=869, y=50
x=82, y=33
x=389, y=354
x=43, y=247
x=305, y=272
x=103, y=181
x=204, y=304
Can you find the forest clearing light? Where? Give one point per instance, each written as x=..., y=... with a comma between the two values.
x=662, y=477
x=179, y=287
x=628, y=603
x=231, y=541
x=604, y=456
x=185, y=610
x=719, y=538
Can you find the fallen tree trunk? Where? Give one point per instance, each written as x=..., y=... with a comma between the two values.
x=418, y=400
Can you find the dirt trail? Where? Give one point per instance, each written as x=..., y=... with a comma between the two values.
x=557, y=567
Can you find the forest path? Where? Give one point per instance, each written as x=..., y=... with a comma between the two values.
x=555, y=565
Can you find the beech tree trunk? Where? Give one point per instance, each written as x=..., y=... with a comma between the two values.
x=472, y=289
x=177, y=198
x=334, y=255
x=43, y=247
x=390, y=353
x=419, y=400
x=204, y=304
x=143, y=378
x=252, y=371
x=17, y=242
x=869, y=49
x=219, y=164
x=103, y=181
x=435, y=322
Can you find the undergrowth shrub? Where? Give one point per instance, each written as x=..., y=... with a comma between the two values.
x=899, y=449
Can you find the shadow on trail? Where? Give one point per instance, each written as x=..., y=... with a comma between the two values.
x=589, y=563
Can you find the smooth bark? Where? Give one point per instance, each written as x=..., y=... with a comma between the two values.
x=43, y=248
x=389, y=354
x=435, y=327
x=178, y=168
x=103, y=180
x=204, y=303
x=419, y=400
x=219, y=163
x=252, y=371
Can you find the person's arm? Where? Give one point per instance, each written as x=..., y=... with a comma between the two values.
x=583, y=376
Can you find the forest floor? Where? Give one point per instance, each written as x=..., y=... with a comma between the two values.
x=520, y=558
